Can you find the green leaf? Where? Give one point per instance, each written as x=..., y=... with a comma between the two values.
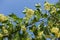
x=46, y=31
x=58, y=12
x=41, y=26
x=33, y=28
x=16, y=36
x=10, y=27
x=43, y=37
x=16, y=19
x=45, y=15
x=13, y=16
x=37, y=5
x=1, y=38
x=37, y=14
x=58, y=5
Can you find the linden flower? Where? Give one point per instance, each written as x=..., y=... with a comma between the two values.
x=58, y=34
x=3, y=28
x=5, y=31
x=2, y=18
x=23, y=28
x=53, y=10
x=26, y=19
x=40, y=33
x=29, y=12
x=47, y=6
x=1, y=35
x=55, y=30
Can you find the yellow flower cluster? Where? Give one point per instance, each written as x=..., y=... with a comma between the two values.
x=5, y=31
x=53, y=10
x=29, y=13
x=40, y=34
x=26, y=18
x=58, y=35
x=47, y=6
x=55, y=30
x=23, y=28
x=2, y=18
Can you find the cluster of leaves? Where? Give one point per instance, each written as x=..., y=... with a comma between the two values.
x=15, y=28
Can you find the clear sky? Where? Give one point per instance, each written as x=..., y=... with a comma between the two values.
x=17, y=6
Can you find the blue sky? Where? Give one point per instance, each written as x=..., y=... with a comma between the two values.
x=17, y=6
